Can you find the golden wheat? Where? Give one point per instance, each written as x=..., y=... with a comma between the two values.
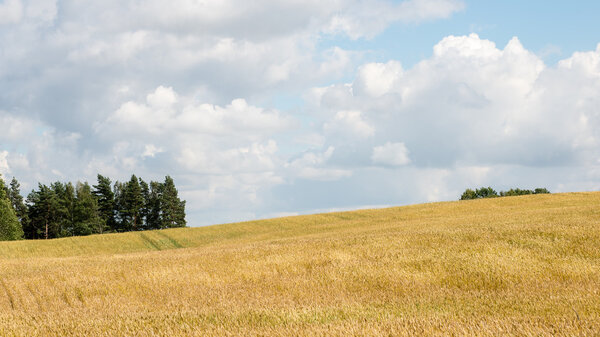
x=526, y=266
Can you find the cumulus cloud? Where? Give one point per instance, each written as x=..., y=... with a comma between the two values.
x=367, y=18
x=586, y=63
x=349, y=124
x=393, y=154
x=217, y=49
x=474, y=102
x=472, y=114
x=187, y=89
x=11, y=11
x=200, y=137
x=4, y=168
x=377, y=79
x=150, y=150
x=313, y=166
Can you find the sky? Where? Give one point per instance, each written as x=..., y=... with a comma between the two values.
x=271, y=108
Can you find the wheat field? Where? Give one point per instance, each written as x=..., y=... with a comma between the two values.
x=525, y=266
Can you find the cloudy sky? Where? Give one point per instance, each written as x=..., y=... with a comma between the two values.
x=275, y=107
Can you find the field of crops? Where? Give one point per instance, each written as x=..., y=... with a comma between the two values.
x=517, y=265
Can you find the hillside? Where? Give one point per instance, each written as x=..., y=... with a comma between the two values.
x=525, y=265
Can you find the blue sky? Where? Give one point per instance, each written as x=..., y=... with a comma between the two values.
x=552, y=29
x=281, y=107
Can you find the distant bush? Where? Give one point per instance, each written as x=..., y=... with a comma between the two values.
x=488, y=192
x=468, y=195
x=483, y=192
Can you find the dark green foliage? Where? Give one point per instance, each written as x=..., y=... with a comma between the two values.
x=10, y=227
x=145, y=190
x=131, y=204
x=62, y=209
x=153, y=205
x=44, y=212
x=488, y=192
x=119, y=207
x=468, y=194
x=172, y=208
x=65, y=211
x=87, y=219
x=18, y=204
x=106, y=203
x=483, y=192
x=514, y=192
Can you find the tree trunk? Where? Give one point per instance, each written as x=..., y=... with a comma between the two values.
x=48, y=212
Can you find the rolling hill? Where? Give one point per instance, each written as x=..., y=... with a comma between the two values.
x=526, y=265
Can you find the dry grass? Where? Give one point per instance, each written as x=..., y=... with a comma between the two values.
x=525, y=266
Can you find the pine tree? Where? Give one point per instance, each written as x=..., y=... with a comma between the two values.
x=86, y=212
x=172, y=208
x=145, y=190
x=10, y=228
x=62, y=209
x=121, y=220
x=106, y=203
x=44, y=210
x=130, y=203
x=153, y=218
x=65, y=211
x=135, y=203
x=14, y=195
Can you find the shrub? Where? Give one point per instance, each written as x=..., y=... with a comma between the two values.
x=488, y=192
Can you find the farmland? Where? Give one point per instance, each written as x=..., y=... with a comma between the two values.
x=526, y=265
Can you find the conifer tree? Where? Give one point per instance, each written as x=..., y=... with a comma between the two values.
x=14, y=195
x=130, y=204
x=106, y=203
x=153, y=218
x=65, y=210
x=172, y=208
x=145, y=190
x=44, y=210
x=62, y=209
x=86, y=213
x=10, y=228
x=121, y=220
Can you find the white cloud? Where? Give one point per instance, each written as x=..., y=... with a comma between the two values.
x=393, y=154
x=42, y=11
x=201, y=138
x=160, y=116
x=313, y=166
x=377, y=79
x=34, y=151
x=150, y=150
x=349, y=123
x=311, y=139
x=159, y=91
x=4, y=168
x=15, y=129
x=419, y=10
x=472, y=102
x=162, y=98
x=586, y=63
x=472, y=114
x=11, y=11
x=225, y=155
x=367, y=18
x=226, y=48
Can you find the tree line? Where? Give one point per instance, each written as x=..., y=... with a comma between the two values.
x=488, y=192
x=66, y=209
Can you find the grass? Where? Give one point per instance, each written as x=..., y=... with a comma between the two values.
x=526, y=266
